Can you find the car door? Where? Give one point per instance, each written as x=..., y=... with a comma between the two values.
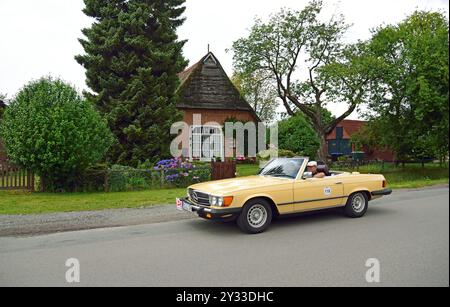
x=318, y=193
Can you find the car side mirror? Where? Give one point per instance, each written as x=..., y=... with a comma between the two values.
x=307, y=175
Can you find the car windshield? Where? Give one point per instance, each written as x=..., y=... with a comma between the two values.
x=282, y=167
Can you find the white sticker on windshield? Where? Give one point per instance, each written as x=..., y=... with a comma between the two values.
x=327, y=191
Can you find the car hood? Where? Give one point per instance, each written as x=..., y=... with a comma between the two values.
x=229, y=186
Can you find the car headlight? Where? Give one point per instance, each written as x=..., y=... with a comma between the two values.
x=220, y=201
x=213, y=200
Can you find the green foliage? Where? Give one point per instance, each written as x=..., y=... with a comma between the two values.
x=51, y=130
x=409, y=103
x=266, y=154
x=132, y=59
x=297, y=135
x=125, y=178
x=295, y=40
x=259, y=91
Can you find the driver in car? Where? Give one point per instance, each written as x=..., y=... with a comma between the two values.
x=312, y=167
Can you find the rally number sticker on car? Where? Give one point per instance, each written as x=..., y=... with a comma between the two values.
x=327, y=191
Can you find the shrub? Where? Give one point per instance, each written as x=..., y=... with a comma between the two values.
x=166, y=173
x=296, y=134
x=265, y=154
x=50, y=129
x=181, y=173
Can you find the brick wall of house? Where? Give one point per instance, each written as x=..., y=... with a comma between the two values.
x=216, y=116
x=353, y=126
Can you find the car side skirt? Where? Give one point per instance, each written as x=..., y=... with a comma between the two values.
x=312, y=200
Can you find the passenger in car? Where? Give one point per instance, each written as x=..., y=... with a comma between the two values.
x=316, y=172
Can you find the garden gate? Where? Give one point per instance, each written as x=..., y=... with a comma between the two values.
x=15, y=178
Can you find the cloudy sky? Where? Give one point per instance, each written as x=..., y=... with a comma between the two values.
x=40, y=37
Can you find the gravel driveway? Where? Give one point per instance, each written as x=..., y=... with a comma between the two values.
x=26, y=225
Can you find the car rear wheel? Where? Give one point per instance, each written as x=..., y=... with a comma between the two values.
x=255, y=217
x=357, y=204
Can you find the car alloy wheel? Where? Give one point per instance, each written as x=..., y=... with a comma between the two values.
x=358, y=203
x=257, y=216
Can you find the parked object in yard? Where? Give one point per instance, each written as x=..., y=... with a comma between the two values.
x=282, y=187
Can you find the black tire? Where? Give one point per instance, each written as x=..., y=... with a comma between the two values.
x=260, y=208
x=357, y=205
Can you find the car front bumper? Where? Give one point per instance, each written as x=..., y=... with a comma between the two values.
x=381, y=192
x=213, y=213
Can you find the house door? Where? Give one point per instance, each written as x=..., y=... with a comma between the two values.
x=206, y=143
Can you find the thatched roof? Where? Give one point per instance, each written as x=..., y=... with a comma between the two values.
x=205, y=85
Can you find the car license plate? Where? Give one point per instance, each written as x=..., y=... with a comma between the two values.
x=183, y=206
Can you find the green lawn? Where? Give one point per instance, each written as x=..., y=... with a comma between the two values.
x=247, y=169
x=16, y=202
x=411, y=176
x=31, y=203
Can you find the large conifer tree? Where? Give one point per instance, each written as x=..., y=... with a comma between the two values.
x=132, y=57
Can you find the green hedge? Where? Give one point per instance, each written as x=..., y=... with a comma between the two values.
x=124, y=178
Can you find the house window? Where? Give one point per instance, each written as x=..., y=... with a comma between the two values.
x=206, y=142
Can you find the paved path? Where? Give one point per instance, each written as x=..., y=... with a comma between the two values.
x=408, y=232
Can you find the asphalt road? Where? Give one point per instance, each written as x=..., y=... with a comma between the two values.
x=408, y=232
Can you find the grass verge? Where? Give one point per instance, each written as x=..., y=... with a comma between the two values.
x=12, y=202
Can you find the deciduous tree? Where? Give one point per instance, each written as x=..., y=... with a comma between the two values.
x=409, y=101
x=49, y=128
x=296, y=43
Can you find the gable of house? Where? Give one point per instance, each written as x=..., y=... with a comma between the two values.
x=205, y=89
x=339, y=142
x=205, y=85
x=348, y=128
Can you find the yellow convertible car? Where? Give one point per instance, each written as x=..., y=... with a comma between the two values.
x=283, y=186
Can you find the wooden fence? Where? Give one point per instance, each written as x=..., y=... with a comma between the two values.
x=223, y=170
x=15, y=178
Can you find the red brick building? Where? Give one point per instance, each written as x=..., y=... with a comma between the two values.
x=206, y=90
x=339, y=142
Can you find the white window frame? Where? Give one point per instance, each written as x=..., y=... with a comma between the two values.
x=195, y=136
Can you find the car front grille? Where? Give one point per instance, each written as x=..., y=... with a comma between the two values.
x=198, y=197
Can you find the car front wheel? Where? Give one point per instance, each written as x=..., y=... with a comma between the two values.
x=255, y=217
x=356, y=205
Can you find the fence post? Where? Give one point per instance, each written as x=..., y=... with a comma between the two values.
x=161, y=179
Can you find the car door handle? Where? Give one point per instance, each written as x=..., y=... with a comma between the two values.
x=340, y=182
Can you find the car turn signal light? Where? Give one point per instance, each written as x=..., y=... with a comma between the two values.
x=384, y=183
x=227, y=200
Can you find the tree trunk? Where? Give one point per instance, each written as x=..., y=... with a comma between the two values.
x=322, y=151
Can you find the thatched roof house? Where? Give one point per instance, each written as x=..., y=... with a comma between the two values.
x=207, y=90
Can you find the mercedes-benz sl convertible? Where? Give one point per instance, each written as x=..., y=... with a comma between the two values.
x=283, y=186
